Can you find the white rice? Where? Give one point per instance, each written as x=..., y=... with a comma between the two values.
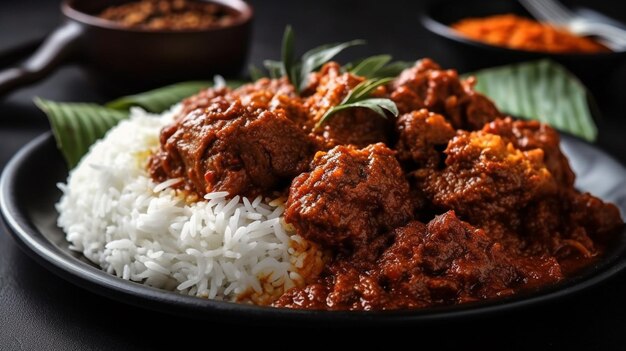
x=138, y=230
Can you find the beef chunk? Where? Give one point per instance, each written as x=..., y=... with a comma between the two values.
x=266, y=94
x=349, y=196
x=426, y=85
x=529, y=135
x=422, y=136
x=487, y=179
x=456, y=262
x=229, y=147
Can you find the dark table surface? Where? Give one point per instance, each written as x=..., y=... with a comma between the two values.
x=40, y=311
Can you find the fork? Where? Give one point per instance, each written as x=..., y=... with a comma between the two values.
x=555, y=13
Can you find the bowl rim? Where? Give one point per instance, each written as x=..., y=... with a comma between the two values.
x=244, y=9
x=444, y=30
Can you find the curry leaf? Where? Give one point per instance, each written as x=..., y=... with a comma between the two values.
x=314, y=58
x=76, y=126
x=376, y=104
x=541, y=90
x=288, y=56
x=364, y=89
x=369, y=66
x=360, y=97
x=297, y=71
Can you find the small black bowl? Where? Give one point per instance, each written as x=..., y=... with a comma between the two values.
x=470, y=55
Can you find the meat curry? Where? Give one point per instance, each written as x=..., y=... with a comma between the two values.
x=448, y=203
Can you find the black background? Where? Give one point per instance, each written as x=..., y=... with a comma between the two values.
x=41, y=311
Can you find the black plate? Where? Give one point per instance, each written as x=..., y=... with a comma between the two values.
x=28, y=194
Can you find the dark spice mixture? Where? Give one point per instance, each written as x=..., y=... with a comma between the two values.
x=169, y=14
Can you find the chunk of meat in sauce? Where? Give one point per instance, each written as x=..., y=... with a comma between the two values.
x=273, y=95
x=229, y=147
x=422, y=136
x=486, y=180
x=201, y=101
x=357, y=126
x=571, y=226
x=444, y=262
x=349, y=196
x=267, y=94
x=426, y=85
x=529, y=135
x=461, y=262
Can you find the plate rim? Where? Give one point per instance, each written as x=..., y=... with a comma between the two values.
x=93, y=279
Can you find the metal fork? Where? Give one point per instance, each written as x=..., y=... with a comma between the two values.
x=555, y=13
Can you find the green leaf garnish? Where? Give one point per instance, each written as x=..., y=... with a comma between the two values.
x=541, y=90
x=369, y=66
x=359, y=97
x=76, y=126
x=288, y=56
x=378, y=105
x=298, y=71
x=377, y=67
x=315, y=58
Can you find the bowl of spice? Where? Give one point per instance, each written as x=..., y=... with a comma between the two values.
x=169, y=15
x=487, y=33
x=129, y=46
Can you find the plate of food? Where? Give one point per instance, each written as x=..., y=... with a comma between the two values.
x=369, y=192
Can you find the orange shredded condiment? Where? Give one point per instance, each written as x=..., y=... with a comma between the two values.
x=525, y=34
